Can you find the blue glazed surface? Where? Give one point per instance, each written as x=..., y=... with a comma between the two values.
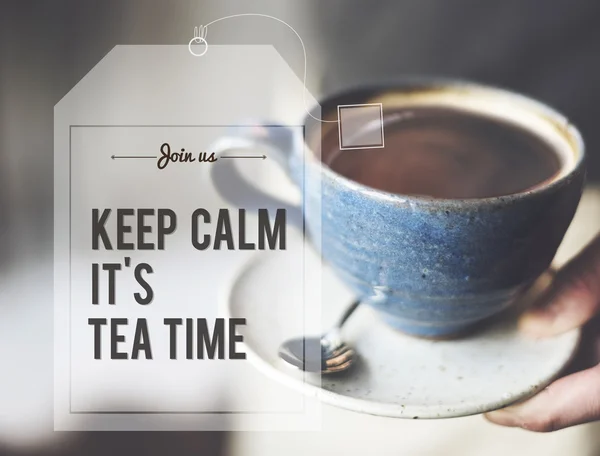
x=435, y=270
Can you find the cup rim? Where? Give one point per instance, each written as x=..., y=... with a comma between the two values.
x=560, y=123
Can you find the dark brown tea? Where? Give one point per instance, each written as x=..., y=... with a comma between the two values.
x=447, y=153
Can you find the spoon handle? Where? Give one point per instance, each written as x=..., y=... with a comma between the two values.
x=349, y=311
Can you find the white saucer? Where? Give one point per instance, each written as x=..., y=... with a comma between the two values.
x=396, y=375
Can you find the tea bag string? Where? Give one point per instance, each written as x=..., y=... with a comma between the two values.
x=203, y=32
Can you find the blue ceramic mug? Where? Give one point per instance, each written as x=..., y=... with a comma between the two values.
x=432, y=267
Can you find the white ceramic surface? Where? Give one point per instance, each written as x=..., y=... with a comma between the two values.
x=397, y=375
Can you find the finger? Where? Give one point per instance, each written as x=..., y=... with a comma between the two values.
x=572, y=300
x=567, y=402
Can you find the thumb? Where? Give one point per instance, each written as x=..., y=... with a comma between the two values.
x=573, y=298
x=569, y=401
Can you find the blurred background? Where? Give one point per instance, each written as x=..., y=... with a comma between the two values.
x=547, y=49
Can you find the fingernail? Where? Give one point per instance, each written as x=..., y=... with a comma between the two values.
x=504, y=417
x=549, y=321
x=537, y=322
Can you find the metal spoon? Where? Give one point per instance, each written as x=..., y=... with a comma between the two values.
x=326, y=354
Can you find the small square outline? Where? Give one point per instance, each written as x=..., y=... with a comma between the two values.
x=361, y=106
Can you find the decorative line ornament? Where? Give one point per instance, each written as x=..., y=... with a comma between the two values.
x=200, y=34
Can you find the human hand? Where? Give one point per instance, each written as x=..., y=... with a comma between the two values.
x=573, y=300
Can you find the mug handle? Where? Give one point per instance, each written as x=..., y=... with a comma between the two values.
x=276, y=142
